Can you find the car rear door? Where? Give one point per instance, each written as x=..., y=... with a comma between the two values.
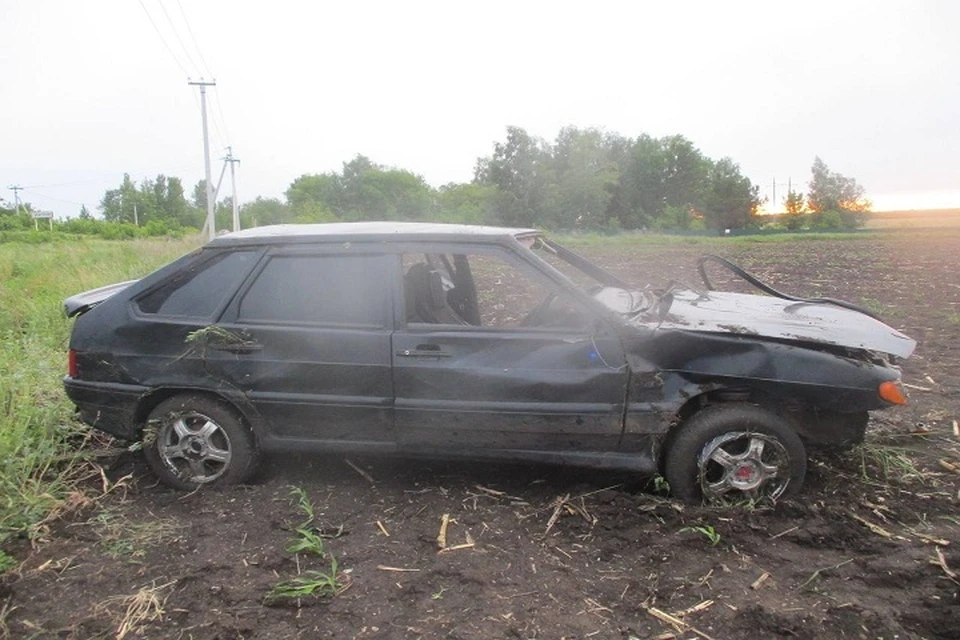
x=312, y=347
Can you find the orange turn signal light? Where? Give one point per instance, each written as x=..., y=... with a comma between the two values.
x=892, y=392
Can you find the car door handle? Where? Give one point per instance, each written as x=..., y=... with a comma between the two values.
x=240, y=347
x=424, y=351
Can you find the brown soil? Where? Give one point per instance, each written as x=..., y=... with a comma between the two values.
x=855, y=557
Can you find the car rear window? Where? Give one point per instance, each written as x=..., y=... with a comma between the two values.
x=319, y=290
x=200, y=289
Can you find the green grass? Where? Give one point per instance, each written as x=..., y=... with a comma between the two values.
x=41, y=458
x=707, y=531
x=7, y=562
x=121, y=537
x=885, y=464
x=307, y=584
x=308, y=541
x=878, y=308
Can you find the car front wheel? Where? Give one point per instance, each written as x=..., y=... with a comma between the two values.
x=728, y=453
x=193, y=440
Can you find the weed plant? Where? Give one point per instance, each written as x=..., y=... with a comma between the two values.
x=307, y=540
x=707, y=531
x=887, y=464
x=41, y=443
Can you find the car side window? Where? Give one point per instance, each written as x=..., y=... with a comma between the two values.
x=484, y=290
x=198, y=290
x=347, y=291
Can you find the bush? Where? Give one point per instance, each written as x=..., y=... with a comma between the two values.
x=827, y=221
x=118, y=231
x=15, y=222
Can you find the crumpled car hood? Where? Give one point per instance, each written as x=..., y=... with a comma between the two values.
x=769, y=317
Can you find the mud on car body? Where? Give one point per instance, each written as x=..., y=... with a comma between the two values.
x=480, y=342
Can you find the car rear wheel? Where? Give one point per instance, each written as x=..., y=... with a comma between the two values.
x=729, y=453
x=193, y=440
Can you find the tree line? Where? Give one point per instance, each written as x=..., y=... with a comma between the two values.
x=584, y=179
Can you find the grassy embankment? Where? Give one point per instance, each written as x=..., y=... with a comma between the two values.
x=40, y=460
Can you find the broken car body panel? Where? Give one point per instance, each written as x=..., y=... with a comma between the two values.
x=768, y=317
x=594, y=376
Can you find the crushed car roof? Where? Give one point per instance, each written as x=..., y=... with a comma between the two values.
x=368, y=231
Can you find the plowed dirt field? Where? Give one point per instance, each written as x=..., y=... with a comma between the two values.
x=870, y=550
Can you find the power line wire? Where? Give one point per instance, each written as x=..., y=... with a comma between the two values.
x=223, y=120
x=61, y=184
x=186, y=51
x=223, y=132
x=194, y=39
x=157, y=29
x=43, y=195
x=217, y=134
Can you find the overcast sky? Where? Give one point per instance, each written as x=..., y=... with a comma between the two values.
x=89, y=90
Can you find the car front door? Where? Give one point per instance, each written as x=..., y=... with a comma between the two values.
x=492, y=354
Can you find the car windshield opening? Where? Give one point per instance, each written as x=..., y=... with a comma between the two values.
x=606, y=288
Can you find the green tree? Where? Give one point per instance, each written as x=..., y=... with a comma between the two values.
x=729, y=200
x=676, y=218
x=466, y=203
x=833, y=192
x=222, y=213
x=264, y=211
x=796, y=209
x=656, y=174
x=176, y=207
x=11, y=219
x=794, y=203
x=586, y=175
x=117, y=204
x=520, y=169
x=372, y=192
x=199, y=198
x=160, y=199
x=313, y=197
x=639, y=195
x=362, y=191
x=685, y=172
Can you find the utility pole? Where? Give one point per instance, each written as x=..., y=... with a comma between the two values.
x=233, y=179
x=211, y=221
x=16, y=196
x=136, y=220
x=774, y=192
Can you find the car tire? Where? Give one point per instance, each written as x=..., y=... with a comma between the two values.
x=192, y=440
x=735, y=452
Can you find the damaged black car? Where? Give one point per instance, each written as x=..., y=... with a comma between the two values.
x=465, y=341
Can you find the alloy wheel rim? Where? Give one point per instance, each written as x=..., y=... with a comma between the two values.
x=194, y=447
x=743, y=464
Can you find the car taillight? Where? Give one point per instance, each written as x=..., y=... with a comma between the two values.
x=72, y=364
